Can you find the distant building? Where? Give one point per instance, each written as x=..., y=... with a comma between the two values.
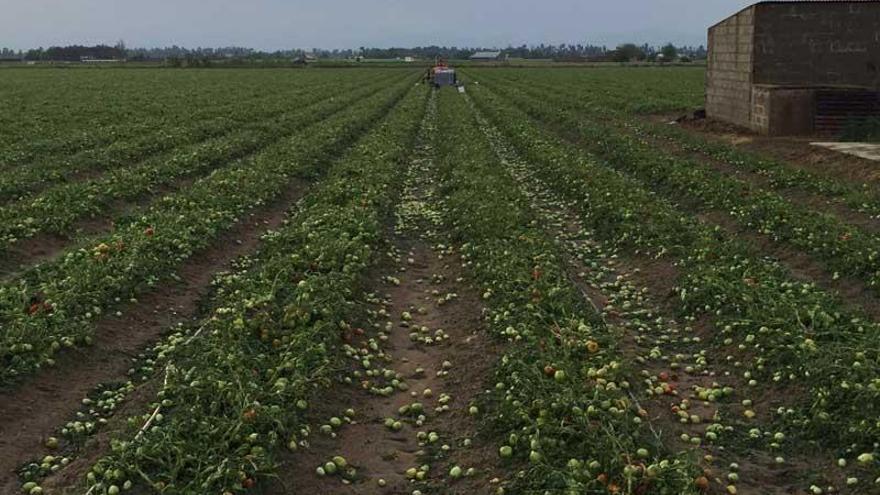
x=799, y=67
x=409, y=59
x=305, y=59
x=486, y=56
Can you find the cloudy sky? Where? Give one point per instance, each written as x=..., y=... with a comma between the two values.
x=274, y=24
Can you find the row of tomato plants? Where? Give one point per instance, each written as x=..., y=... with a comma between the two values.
x=675, y=381
x=659, y=90
x=57, y=209
x=237, y=384
x=55, y=304
x=96, y=136
x=561, y=407
x=612, y=100
x=45, y=113
x=50, y=115
x=652, y=340
x=776, y=334
x=779, y=175
x=203, y=123
x=843, y=248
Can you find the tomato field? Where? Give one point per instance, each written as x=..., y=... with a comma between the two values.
x=280, y=281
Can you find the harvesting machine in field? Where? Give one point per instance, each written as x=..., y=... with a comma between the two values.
x=441, y=75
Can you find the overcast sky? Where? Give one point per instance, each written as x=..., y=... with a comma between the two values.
x=275, y=24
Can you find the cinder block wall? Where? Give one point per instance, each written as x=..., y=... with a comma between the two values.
x=782, y=111
x=760, y=107
x=729, y=71
x=817, y=43
x=793, y=45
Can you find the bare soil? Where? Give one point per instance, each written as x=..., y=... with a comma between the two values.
x=34, y=408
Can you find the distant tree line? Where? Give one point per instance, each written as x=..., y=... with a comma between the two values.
x=181, y=56
x=10, y=54
x=630, y=52
x=76, y=53
x=623, y=53
x=180, y=52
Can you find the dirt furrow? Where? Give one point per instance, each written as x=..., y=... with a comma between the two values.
x=435, y=351
x=416, y=365
x=34, y=408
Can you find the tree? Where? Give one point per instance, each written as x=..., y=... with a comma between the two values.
x=628, y=52
x=669, y=52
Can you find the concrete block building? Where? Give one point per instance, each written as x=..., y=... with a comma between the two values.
x=795, y=67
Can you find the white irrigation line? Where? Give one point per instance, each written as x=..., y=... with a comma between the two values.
x=647, y=419
x=156, y=411
x=168, y=367
x=152, y=417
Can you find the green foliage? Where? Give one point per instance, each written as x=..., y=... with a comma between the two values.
x=628, y=52
x=789, y=335
x=74, y=289
x=272, y=334
x=669, y=52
